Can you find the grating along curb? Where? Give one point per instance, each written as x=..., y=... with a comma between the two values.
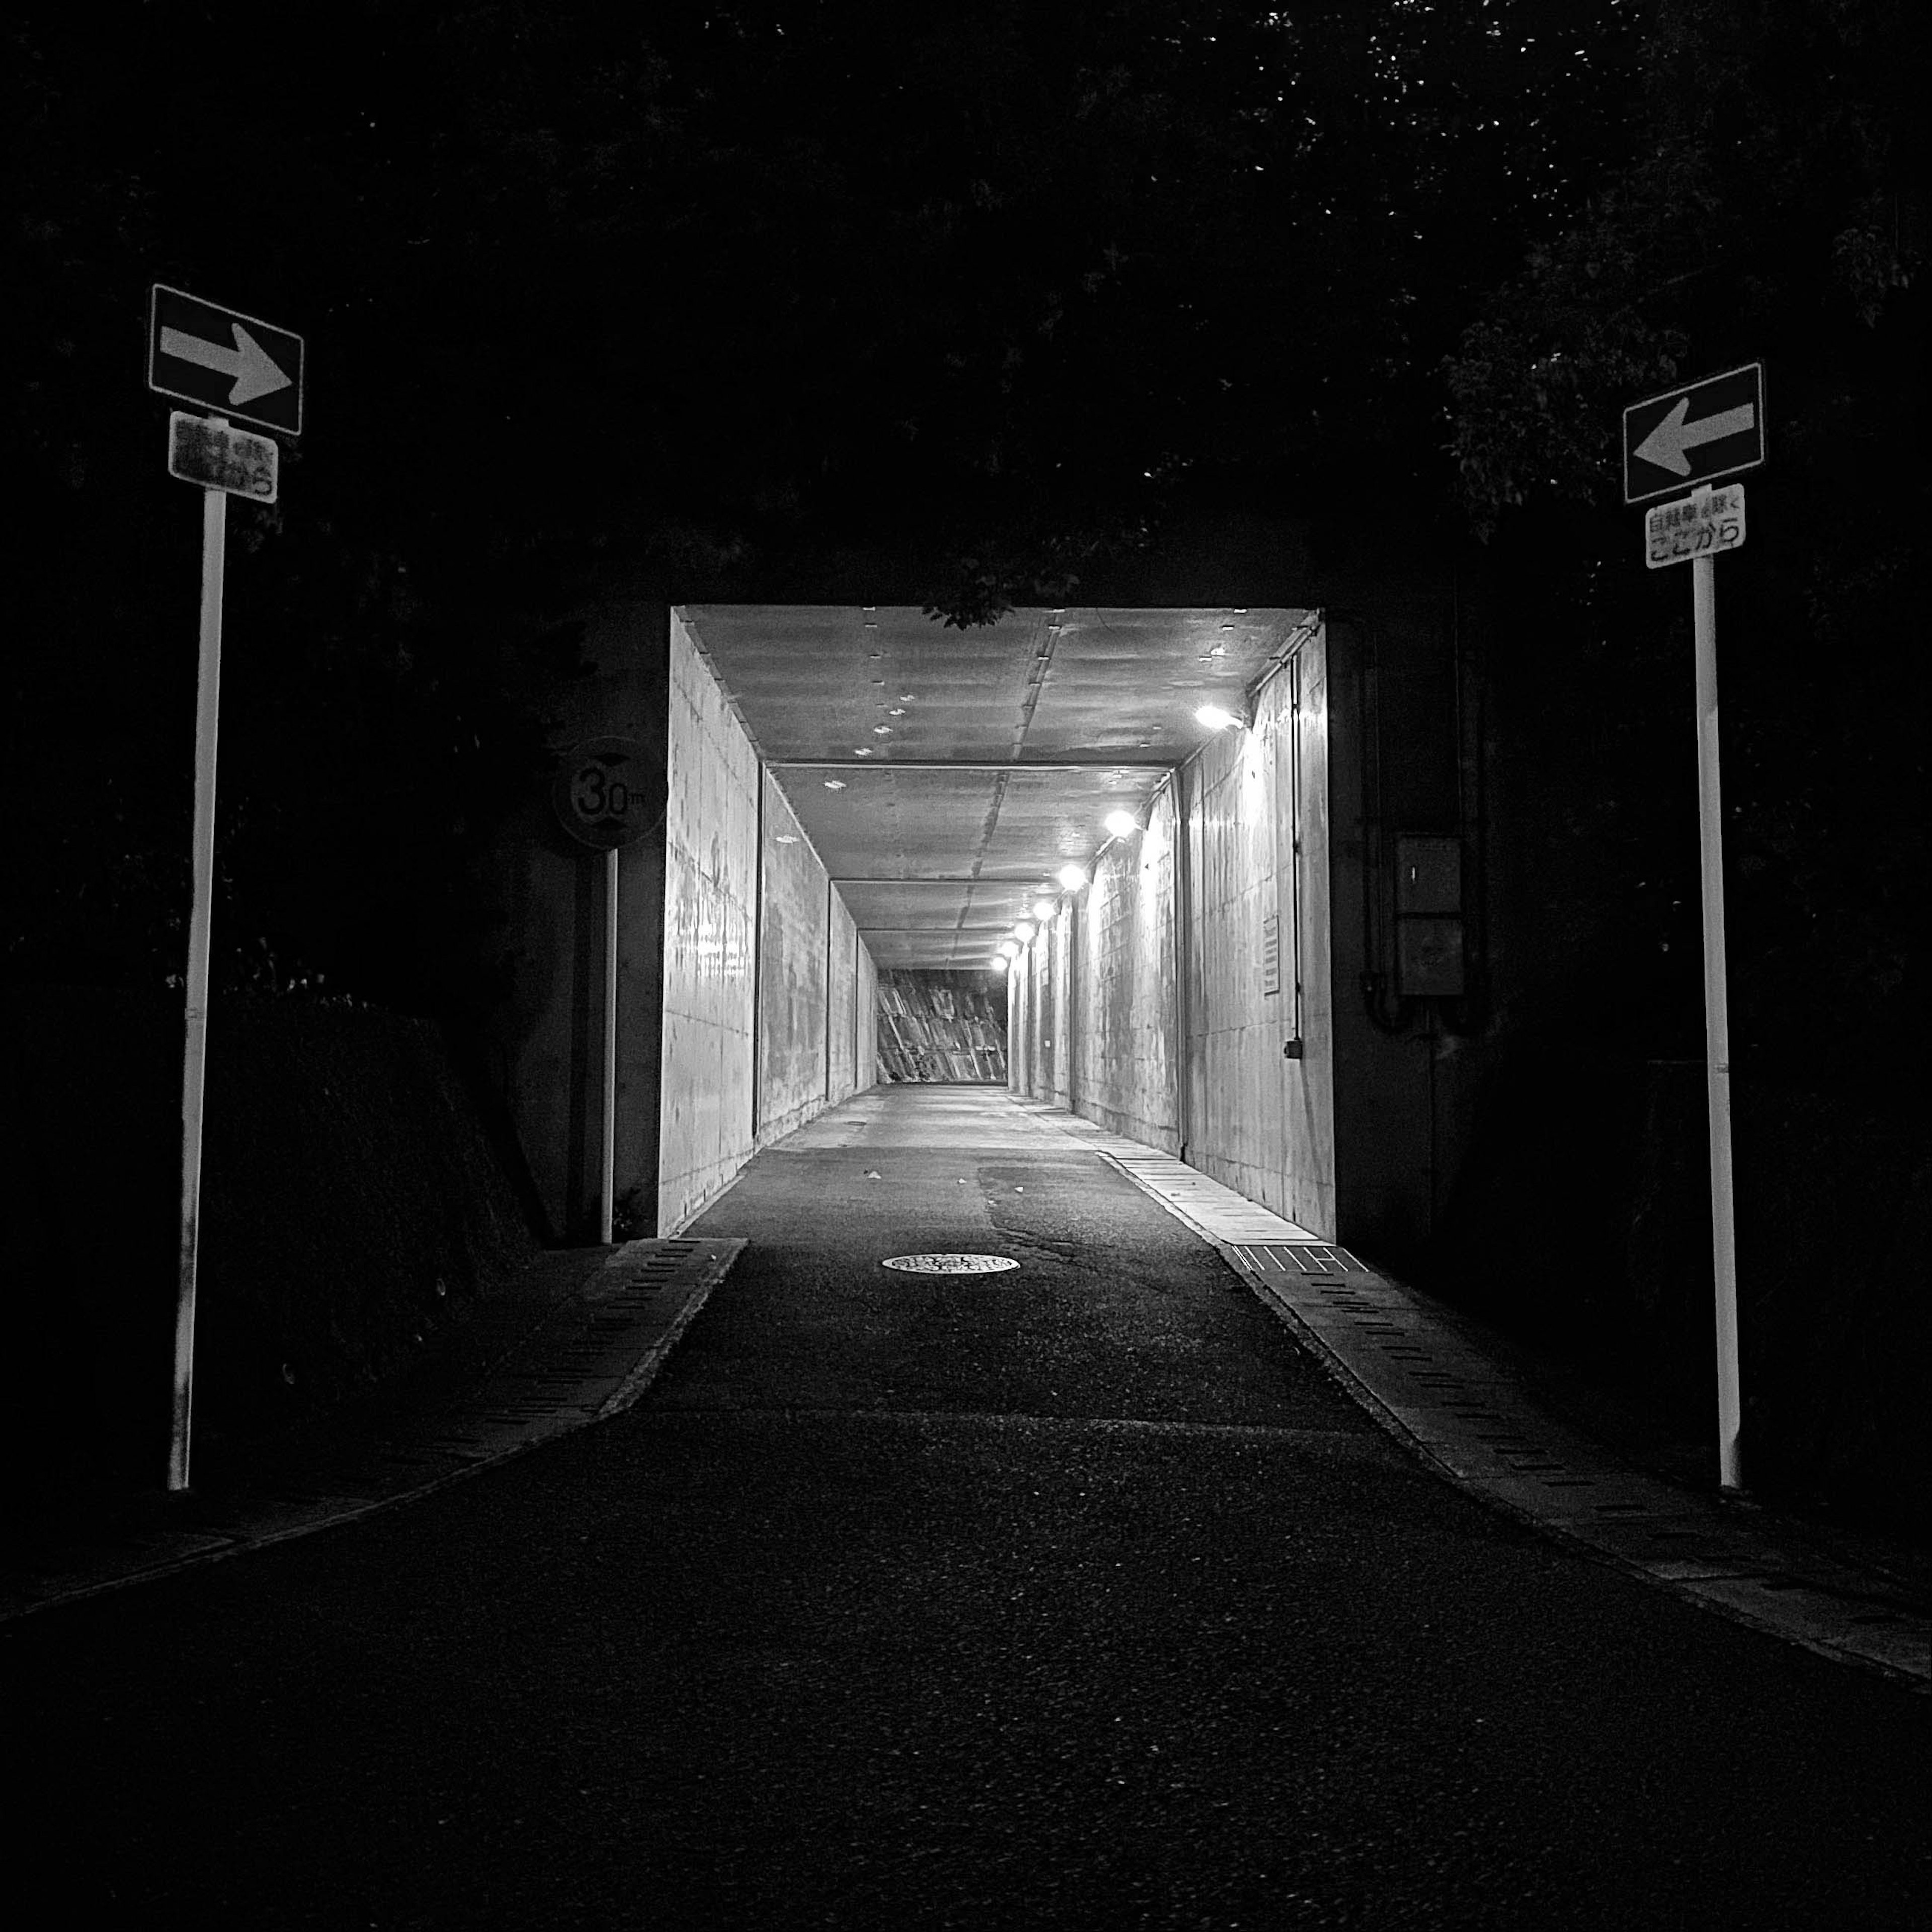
x=588, y=1358
x=1466, y=1416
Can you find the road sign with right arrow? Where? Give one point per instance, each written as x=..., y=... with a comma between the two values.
x=225, y=361
x=1694, y=434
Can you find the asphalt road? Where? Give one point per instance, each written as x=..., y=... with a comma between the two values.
x=1073, y=1596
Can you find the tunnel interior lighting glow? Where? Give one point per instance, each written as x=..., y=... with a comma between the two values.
x=1121, y=824
x=1009, y=948
x=1214, y=718
x=1072, y=876
x=999, y=962
x=1024, y=931
x=1043, y=910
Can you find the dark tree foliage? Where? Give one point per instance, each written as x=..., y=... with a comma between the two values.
x=698, y=296
x=1773, y=206
x=704, y=291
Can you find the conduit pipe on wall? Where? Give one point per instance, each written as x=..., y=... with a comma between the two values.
x=758, y=950
x=607, y=1188
x=1184, y=922
x=1292, y=666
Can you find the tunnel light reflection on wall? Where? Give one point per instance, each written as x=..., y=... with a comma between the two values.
x=1072, y=876
x=1214, y=718
x=1121, y=824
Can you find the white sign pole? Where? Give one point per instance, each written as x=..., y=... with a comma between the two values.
x=1716, y=1018
x=194, y=1052
x=609, y=1204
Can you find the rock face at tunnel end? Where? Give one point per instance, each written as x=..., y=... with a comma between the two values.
x=938, y=1025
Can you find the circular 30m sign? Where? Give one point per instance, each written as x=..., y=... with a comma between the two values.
x=609, y=791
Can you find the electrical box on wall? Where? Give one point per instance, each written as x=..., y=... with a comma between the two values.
x=1428, y=917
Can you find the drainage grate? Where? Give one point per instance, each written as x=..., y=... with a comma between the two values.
x=951, y=1264
x=1298, y=1258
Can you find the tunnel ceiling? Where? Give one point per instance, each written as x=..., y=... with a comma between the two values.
x=944, y=776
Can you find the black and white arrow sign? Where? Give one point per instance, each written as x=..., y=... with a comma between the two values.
x=255, y=371
x=1694, y=434
x=236, y=364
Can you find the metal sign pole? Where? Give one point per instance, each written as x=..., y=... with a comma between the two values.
x=194, y=1052
x=608, y=1210
x=1716, y=1018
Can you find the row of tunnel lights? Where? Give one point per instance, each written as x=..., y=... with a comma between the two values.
x=1073, y=878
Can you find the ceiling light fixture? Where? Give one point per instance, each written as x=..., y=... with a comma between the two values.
x=1024, y=931
x=1072, y=876
x=1043, y=910
x=1009, y=948
x=834, y=784
x=1121, y=824
x=1214, y=718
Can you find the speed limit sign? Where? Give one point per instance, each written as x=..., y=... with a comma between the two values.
x=609, y=791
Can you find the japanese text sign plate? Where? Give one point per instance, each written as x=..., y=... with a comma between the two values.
x=1711, y=521
x=219, y=456
x=229, y=364
x=1694, y=433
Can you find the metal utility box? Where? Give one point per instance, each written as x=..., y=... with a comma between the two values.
x=1428, y=917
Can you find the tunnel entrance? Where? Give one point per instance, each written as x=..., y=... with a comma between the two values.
x=1083, y=854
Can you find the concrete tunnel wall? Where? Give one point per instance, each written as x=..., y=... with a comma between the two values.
x=767, y=990
x=1154, y=1003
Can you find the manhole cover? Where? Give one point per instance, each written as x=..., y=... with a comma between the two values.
x=951, y=1264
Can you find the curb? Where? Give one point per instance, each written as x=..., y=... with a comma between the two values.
x=1384, y=1349
x=586, y=1360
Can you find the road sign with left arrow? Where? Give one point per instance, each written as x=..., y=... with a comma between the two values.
x=236, y=365
x=1694, y=434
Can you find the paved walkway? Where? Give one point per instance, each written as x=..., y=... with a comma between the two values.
x=583, y=1336
x=575, y=1340
x=1088, y=1592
